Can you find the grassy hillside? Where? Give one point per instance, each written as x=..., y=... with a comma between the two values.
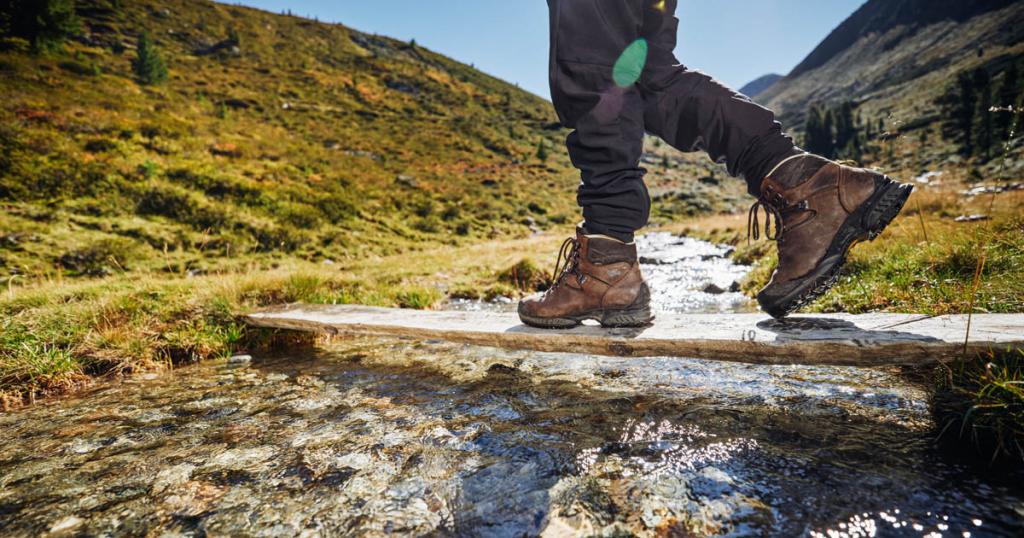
x=274, y=137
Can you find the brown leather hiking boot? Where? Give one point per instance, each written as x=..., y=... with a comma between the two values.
x=596, y=278
x=821, y=208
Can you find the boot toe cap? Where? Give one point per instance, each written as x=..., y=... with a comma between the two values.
x=530, y=305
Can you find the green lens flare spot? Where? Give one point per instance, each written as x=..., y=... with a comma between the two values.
x=630, y=64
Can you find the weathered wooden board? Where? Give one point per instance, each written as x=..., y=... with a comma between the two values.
x=836, y=339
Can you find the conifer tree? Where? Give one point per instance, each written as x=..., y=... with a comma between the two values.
x=957, y=106
x=44, y=23
x=818, y=131
x=846, y=142
x=1006, y=96
x=982, y=125
x=149, y=65
x=542, y=151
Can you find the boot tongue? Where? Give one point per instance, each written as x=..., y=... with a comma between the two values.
x=796, y=170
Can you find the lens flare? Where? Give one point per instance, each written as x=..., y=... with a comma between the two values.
x=630, y=64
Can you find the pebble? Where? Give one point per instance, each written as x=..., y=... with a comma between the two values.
x=240, y=359
x=714, y=289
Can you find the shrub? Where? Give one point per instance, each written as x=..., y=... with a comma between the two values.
x=280, y=238
x=97, y=258
x=336, y=209
x=525, y=276
x=417, y=297
x=100, y=145
x=149, y=169
x=428, y=225
x=180, y=205
x=85, y=69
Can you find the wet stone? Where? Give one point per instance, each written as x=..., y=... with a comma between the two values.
x=240, y=359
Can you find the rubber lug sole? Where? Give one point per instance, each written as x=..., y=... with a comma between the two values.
x=638, y=314
x=866, y=223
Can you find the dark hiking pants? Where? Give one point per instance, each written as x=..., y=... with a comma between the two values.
x=610, y=96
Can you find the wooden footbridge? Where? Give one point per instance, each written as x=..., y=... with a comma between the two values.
x=826, y=339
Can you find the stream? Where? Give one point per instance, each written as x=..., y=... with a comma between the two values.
x=376, y=436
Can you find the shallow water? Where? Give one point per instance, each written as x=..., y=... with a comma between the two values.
x=379, y=436
x=683, y=273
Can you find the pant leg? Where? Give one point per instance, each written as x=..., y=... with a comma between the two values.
x=691, y=111
x=587, y=37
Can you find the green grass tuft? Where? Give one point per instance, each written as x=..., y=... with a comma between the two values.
x=980, y=403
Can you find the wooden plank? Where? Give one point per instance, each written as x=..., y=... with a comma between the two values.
x=828, y=339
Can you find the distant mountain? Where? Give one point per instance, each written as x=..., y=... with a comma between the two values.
x=760, y=84
x=896, y=56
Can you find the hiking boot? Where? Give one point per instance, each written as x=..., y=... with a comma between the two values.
x=596, y=277
x=821, y=208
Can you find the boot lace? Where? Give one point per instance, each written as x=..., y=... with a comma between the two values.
x=774, y=204
x=568, y=262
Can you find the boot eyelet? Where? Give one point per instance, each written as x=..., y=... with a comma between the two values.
x=802, y=205
x=582, y=279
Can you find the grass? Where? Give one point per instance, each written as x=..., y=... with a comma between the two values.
x=902, y=271
x=979, y=404
x=50, y=340
x=56, y=336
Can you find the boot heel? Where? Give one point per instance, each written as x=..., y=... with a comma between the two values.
x=637, y=314
x=883, y=207
x=627, y=318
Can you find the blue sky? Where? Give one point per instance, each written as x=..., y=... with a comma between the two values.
x=735, y=41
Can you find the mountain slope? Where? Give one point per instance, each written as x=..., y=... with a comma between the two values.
x=760, y=84
x=878, y=17
x=274, y=136
x=898, y=55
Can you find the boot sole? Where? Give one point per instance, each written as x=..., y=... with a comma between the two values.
x=637, y=314
x=867, y=222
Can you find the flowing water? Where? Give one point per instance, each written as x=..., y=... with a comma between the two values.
x=370, y=437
